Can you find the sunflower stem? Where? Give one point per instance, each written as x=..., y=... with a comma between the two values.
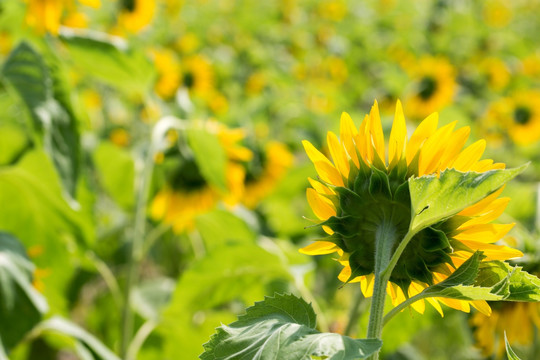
x=385, y=237
x=137, y=249
x=397, y=254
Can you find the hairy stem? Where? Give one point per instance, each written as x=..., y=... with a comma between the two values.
x=385, y=238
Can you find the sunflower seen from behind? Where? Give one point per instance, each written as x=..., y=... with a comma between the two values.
x=358, y=190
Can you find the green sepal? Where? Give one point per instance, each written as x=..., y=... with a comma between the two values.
x=442, y=240
x=360, y=263
x=350, y=202
x=510, y=353
x=379, y=184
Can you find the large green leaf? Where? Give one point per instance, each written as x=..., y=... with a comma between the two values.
x=33, y=210
x=116, y=171
x=110, y=60
x=210, y=156
x=45, y=97
x=283, y=327
x=208, y=289
x=219, y=227
x=434, y=198
x=87, y=345
x=21, y=305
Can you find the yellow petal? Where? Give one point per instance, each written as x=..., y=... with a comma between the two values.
x=377, y=135
x=479, y=207
x=468, y=157
x=320, y=188
x=363, y=141
x=456, y=304
x=490, y=213
x=436, y=305
x=338, y=154
x=398, y=135
x=324, y=167
x=494, y=252
x=319, y=248
x=366, y=285
x=454, y=146
x=414, y=289
x=485, y=233
x=322, y=209
x=345, y=274
x=482, y=306
x=432, y=150
x=426, y=128
x=348, y=133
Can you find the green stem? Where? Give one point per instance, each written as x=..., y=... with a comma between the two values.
x=402, y=306
x=397, y=254
x=137, y=250
x=385, y=237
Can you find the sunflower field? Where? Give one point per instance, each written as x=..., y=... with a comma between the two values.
x=285, y=180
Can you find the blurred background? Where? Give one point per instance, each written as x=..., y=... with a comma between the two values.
x=152, y=178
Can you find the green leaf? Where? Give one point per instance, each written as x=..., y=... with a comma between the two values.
x=210, y=157
x=512, y=283
x=116, y=171
x=110, y=60
x=39, y=87
x=33, y=211
x=21, y=305
x=151, y=296
x=13, y=142
x=437, y=198
x=283, y=327
x=219, y=227
x=509, y=351
x=84, y=340
x=207, y=290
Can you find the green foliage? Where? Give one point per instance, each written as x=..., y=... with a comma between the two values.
x=21, y=305
x=283, y=327
x=227, y=273
x=111, y=60
x=34, y=211
x=509, y=351
x=40, y=88
x=86, y=345
x=210, y=156
x=220, y=227
x=435, y=198
x=116, y=170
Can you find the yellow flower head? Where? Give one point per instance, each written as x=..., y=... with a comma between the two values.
x=198, y=75
x=517, y=319
x=188, y=194
x=518, y=116
x=496, y=72
x=168, y=69
x=358, y=189
x=434, y=88
x=136, y=14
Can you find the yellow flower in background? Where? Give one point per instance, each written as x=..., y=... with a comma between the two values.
x=497, y=13
x=45, y=15
x=518, y=116
x=188, y=194
x=530, y=65
x=188, y=43
x=332, y=9
x=495, y=71
x=262, y=177
x=197, y=75
x=119, y=137
x=76, y=20
x=135, y=15
x=168, y=70
x=350, y=207
x=6, y=43
x=434, y=88
x=517, y=319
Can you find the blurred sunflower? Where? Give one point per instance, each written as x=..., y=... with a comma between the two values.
x=168, y=70
x=187, y=193
x=267, y=168
x=352, y=207
x=135, y=15
x=495, y=72
x=434, y=86
x=44, y=15
x=517, y=319
x=518, y=116
x=198, y=75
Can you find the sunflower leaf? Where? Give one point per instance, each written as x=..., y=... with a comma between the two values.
x=512, y=282
x=509, y=351
x=283, y=327
x=42, y=91
x=435, y=198
x=21, y=305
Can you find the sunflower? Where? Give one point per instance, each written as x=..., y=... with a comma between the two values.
x=351, y=207
x=270, y=167
x=518, y=116
x=434, y=86
x=168, y=69
x=187, y=193
x=198, y=76
x=495, y=72
x=135, y=15
x=517, y=319
x=45, y=15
